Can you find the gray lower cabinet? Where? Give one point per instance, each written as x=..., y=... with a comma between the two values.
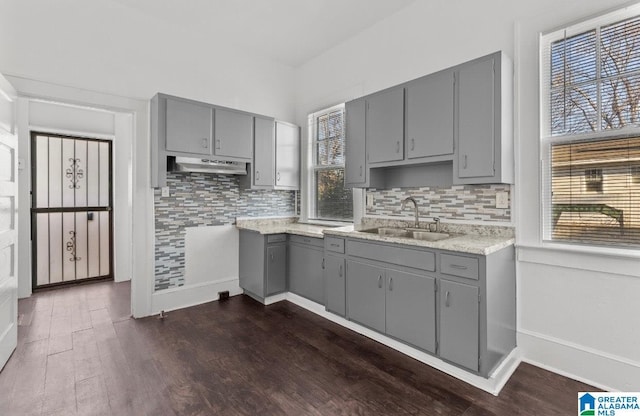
x=263, y=264
x=305, y=267
x=411, y=309
x=366, y=295
x=335, y=284
x=459, y=323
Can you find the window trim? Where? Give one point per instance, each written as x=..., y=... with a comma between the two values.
x=313, y=167
x=546, y=139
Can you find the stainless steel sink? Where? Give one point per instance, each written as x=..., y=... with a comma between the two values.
x=428, y=236
x=418, y=234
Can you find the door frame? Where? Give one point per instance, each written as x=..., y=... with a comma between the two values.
x=34, y=247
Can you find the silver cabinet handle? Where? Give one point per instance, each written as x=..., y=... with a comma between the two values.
x=398, y=146
x=380, y=282
x=413, y=144
x=278, y=177
x=361, y=171
x=390, y=283
x=334, y=245
x=257, y=175
x=446, y=299
x=340, y=271
x=458, y=266
x=205, y=143
x=272, y=257
x=323, y=264
x=465, y=161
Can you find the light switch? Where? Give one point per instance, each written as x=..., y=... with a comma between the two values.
x=502, y=200
x=369, y=201
x=165, y=191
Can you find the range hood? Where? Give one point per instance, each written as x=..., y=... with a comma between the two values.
x=193, y=164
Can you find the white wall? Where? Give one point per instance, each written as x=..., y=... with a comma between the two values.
x=135, y=55
x=582, y=323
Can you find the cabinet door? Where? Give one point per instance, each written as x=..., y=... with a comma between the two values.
x=385, y=126
x=188, y=127
x=430, y=116
x=305, y=272
x=476, y=110
x=334, y=278
x=459, y=327
x=264, y=155
x=276, y=269
x=287, y=156
x=233, y=134
x=355, y=151
x=411, y=309
x=365, y=295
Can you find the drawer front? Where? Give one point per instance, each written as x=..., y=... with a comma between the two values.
x=403, y=256
x=334, y=244
x=459, y=266
x=313, y=241
x=276, y=238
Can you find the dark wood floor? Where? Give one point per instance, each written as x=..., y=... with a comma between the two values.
x=80, y=353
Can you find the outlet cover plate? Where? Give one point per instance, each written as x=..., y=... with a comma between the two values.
x=502, y=200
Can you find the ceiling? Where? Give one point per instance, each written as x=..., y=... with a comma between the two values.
x=289, y=31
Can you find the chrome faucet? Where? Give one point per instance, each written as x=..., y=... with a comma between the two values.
x=415, y=207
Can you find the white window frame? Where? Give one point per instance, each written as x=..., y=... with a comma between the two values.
x=546, y=139
x=313, y=167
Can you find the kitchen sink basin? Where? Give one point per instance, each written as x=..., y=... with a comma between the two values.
x=428, y=236
x=418, y=234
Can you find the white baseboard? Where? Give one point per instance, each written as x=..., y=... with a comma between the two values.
x=191, y=295
x=597, y=368
x=493, y=384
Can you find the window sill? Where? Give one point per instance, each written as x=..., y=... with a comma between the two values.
x=612, y=261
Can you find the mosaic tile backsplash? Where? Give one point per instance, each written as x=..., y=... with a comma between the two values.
x=458, y=202
x=199, y=199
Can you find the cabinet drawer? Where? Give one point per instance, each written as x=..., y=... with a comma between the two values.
x=334, y=244
x=418, y=259
x=459, y=266
x=276, y=238
x=314, y=241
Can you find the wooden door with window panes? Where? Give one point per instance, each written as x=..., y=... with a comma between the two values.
x=71, y=209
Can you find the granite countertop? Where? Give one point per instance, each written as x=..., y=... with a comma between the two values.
x=474, y=239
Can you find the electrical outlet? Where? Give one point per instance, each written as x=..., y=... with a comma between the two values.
x=369, y=201
x=165, y=191
x=502, y=200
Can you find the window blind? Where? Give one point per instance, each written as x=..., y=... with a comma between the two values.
x=590, y=77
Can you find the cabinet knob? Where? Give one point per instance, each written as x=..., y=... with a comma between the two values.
x=272, y=257
x=413, y=144
x=380, y=282
x=205, y=143
x=340, y=271
x=398, y=146
x=446, y=299
x=465, y=162
x=218, y=144
x=323, y=264
x=361, y=171
x=257, y=175
x=390, y=283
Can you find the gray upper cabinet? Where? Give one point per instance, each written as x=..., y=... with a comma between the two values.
x=264, y=152
x=366, y=295
x=287, y=172
x=233, y=134
x=411, y=309
x=429, y=115
x=459, y=324
x=385, y=126
x=355, y=149
x=484, y=149
x=188, y=127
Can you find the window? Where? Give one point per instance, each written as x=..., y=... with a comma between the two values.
x=590, y=76
x=329, y=198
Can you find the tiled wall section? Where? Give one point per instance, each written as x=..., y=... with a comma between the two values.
x=198, y=199
x=458, y=202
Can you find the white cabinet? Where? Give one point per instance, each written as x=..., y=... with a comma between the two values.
x=287, y=172
x=263, y=170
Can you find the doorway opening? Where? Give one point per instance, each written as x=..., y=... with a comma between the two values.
x=72, y=209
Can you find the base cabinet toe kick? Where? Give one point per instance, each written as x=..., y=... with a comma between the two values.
x=458, y=307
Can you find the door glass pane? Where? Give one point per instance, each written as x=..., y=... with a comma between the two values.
x=82, y=266
x=93, y=236
x=42, y=238
x=69, y=251
x=69, y=167
x=42, y=172
x=55, y=247
x=104, y=174
x=6, y=163
x=55, y=172
x=104, y=243
x=6, y=213
x=92, y=169
x=81, y=178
